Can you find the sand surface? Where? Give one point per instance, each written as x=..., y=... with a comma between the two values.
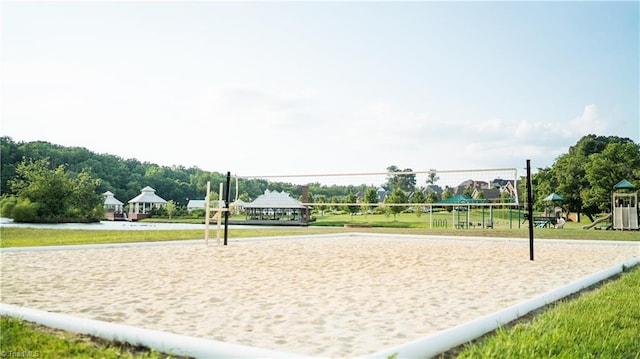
x=333, y=297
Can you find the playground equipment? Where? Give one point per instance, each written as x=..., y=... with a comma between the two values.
x=625, y=206
x=624, y=209
x=598, y=221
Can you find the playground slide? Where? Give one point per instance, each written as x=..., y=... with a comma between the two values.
x=588, y=226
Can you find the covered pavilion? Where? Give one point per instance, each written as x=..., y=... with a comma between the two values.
x=147, y=200
x=275, y=207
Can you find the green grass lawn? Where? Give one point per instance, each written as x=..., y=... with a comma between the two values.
x=20, y=339
x=506, y=224
x=600, y=323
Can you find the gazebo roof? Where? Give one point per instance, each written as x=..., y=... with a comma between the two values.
x=624, y=184
x=110, y=199
x=274, y=199
x=147, y=195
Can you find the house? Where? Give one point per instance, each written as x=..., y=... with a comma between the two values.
x=194, y=204
x=382, y=194
x=147, y=200
x=435, y=189
x=508, y=186
x=275, y=207
x=489, y=194
x=113, y=207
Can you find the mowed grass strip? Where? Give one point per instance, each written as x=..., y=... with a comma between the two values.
x=29, y=237
x=21, y=339
x=599, y=323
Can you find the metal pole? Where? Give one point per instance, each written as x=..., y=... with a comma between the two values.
x=530, y=209
x=226, y=206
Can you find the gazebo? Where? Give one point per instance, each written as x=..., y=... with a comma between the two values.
x=140, y=206
x=113, y=207
x=275, y=208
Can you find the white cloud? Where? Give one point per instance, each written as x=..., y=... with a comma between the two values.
x=587, y=122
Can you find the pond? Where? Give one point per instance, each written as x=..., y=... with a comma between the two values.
x=110, y=225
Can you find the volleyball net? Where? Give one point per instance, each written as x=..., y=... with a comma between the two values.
x=412, y=190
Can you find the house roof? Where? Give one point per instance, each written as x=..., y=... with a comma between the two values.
x=274, y=199
x=147, y=195
x=492, y=193
x=196, y=203
x=239, y=202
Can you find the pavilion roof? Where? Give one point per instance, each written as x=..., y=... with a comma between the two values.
x=147, y=195
x=110, y=199
x=274, y=199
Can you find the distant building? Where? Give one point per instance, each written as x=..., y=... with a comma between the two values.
x=113, y=207
x=237, y=207
x=488, y=194
x=382, y=194
x=195, y=204
x=147, y=200
x=275, y=208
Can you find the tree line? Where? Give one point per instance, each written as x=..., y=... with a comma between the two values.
x=72, y=179
x=586, y=174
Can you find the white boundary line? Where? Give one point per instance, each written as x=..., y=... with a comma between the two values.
x=163, y=342
x=428, y=346
x=444, y=340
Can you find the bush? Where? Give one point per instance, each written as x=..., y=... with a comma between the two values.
x=6, y=206
x=25, y=211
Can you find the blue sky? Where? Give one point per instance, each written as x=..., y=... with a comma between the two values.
x=317, y=87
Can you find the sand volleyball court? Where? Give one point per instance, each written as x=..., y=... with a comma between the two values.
x=340, y=296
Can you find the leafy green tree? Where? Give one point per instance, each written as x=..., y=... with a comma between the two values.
x=603, y=170
x=335, y=200
x=404, y=181
x=171, y=208
x=397, y=196
x=418, y=198
x=432, y=197
x=432, y=177
x=320, y=201
x=55, y=195
x=371, y=196
x=352, y=208
x=446, y=194
x=49, y=189
x=586, y=174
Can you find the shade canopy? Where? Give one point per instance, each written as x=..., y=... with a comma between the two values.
x=624, y=184
x=460, y=199
x=553, y=197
